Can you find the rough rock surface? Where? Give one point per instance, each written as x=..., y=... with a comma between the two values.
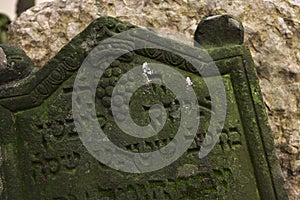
x=42, y=30
x=272, y=33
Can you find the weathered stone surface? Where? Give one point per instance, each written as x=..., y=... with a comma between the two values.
x=218, y=31
x=272, y=33
x=50, y=26
x=42, y=152
x=14, y=64
x=3, y=59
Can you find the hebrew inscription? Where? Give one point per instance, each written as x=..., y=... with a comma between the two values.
x=45, y=156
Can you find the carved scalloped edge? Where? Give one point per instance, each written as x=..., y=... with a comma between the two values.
x=43, y=83
x=68, y=60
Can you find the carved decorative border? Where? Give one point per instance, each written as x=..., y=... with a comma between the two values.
x=245, y=82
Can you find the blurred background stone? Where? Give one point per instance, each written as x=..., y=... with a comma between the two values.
x=4, y=22
x=43, y=29
x=271, y=31
x=23, y=5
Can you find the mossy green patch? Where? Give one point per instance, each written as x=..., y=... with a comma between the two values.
x=44, y=156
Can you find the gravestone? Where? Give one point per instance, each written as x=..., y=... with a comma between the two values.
x=44, y=156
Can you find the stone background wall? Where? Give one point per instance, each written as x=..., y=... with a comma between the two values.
x=272, y=31
x=10, y=8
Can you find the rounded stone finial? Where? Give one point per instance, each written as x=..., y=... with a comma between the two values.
x=219, y=30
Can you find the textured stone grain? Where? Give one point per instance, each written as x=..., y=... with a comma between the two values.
x=42, y=30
